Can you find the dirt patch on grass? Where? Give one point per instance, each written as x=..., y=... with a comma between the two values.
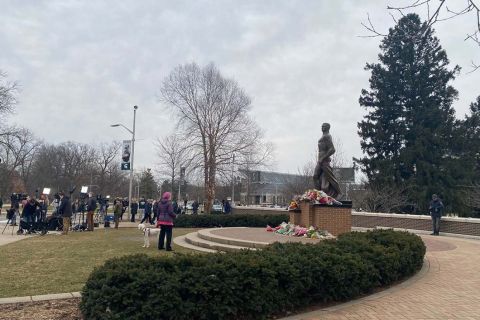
x=44, y=310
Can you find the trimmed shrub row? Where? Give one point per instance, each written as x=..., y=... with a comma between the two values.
x=229, y=220
x=250, y=284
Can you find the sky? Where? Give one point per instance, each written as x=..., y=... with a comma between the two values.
x=83, y=65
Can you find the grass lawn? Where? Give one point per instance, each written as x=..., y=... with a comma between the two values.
x=56, y=264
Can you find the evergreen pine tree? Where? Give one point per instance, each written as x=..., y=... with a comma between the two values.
x=408, y=131
x=148, y=186
x=471, y=136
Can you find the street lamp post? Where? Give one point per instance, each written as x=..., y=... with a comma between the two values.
x=133, y=154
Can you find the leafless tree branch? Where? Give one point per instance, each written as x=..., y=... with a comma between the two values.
x=433, y=16
x=371, y=29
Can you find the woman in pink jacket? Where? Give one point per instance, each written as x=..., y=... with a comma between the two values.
x=165, y=217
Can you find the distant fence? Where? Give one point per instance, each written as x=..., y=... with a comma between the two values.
x=465, y=226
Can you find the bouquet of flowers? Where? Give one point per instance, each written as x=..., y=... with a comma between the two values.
x=293, y=205
x=318, y=197
x=318, y=234
x=289, y=229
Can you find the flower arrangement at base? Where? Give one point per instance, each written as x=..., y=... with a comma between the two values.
x=289, y=229
x=293, y=205
x=315, y=196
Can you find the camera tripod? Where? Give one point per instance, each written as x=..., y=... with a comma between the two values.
x=9, y=222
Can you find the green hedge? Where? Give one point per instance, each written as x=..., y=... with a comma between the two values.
x=229, y=220
x=250, y=284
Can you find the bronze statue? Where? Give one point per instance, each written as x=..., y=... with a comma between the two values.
x=323, y=178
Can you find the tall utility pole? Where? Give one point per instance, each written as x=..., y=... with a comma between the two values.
x=133, y=156
x=133, y=153
x=233, y=179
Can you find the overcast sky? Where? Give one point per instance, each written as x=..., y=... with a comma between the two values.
x=83, y=65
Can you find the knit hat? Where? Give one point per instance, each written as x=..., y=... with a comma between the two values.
x=167, y=195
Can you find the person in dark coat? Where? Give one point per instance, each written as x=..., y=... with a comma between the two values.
x=176, y=207
x=195, y=206
x=436, y=210
x=28, y=212
x=155, y=211
x=165, y=218
x=65, y=210
x=91, y=207
x=227, y=207
x=133, y=210
x=147, y=213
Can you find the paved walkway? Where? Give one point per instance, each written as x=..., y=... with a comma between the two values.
x=10, y=234
x=448, y=287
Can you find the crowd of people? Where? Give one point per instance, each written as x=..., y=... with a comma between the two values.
x=158, y=213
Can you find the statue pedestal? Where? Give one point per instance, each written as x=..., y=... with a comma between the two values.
x=336, y=219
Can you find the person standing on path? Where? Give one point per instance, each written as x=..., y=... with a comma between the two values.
x=117, y=211
x=147, y=213
x=155, y=211
x=436, y=210
x=133, y=210
x=165, y=221
x=65, y=209
x=91, y=206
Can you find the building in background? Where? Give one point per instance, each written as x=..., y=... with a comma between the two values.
x=275, y=188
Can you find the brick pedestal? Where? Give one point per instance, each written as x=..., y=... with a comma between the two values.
x=295, y=216
x=334, y=219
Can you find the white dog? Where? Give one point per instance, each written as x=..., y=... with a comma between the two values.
x=146, y=234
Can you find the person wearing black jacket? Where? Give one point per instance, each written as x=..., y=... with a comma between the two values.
x=147, y=213
x=154, y=210
x=29, y=209
x=65, y=210
x=133, y=210
x=91, y=206
x=436, y=210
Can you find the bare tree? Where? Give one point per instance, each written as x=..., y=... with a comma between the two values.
x=18, y=155
x=213, y=112
x=297, y=184
x=338, y=158
x=105, y=161
x=7, y=95
x=174, y=153
x=436, y=12
x=8, y=100
x=379, y=198
x=64, y=166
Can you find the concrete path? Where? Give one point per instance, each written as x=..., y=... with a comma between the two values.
x=10, y=234
x=448, y=287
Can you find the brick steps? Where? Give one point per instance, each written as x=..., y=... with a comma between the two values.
x=207, y=234
x=181, y=241
x=205, y=241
